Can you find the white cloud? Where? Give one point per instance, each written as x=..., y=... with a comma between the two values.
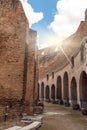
x=68, y=17
x=32, y=16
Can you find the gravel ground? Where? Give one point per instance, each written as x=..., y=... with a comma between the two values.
x=55, y=117
x=59, y=117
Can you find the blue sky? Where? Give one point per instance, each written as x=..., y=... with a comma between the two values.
x=48, y=7
x=54, y=20
x=49, y=10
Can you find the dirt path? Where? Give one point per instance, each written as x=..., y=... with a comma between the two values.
x=57, y=117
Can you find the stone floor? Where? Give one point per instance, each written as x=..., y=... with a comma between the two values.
x=55, y=117
x=59, y=117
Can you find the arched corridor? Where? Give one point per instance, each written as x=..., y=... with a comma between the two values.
x=83, y=89
x=69, y=84
x=65, y=87
x=47, y=93
x=73, y=91
x=59, y=88
x=53, y=92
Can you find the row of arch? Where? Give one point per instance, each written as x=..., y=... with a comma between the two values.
x=52, y=92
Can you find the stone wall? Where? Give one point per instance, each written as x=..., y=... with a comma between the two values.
x=17, y=55
x=71, y=63
x=56, y=57
x=12, y=44
x=32, y=69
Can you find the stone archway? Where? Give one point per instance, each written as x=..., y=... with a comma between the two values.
x=59, y=88
x=47, y=93
x=53, y=92
x=65, y=87
x=83, y=89
x=42, y=91
x=73, y=91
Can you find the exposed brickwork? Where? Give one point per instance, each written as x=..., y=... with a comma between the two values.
x=32, y=69
x=12, y=44
x=16, y=81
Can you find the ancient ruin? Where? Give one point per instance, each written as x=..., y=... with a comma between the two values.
x=18, y=60
x=56, y=74
x=63, y=70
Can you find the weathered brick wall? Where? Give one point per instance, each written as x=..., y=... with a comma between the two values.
x=32, y=70
x=18, y=55
x=12, y=43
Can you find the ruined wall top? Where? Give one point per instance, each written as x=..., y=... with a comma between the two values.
x=11, y=10
x=9, y=4
x=12, y=19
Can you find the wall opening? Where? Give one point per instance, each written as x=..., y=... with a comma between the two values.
x=59, y=88
x=74, y=91
x=83, y=89
x=47, y=93
x=53, y=92
x=47, y=77
x=65, y=87
x=72, y=61
x=52, y=75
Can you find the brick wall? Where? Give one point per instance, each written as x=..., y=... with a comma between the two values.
x=32, y=69
x=17, y=54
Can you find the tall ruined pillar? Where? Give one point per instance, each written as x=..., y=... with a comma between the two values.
x=32, y=75
x=86, y=15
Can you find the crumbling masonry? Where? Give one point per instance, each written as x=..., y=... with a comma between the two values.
x=18, y=60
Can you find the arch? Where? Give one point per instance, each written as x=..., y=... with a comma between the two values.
x=42, y=91
x=74, y=91
x=59, y=88
x=47, y=93
x=53, y=92
x=83, y=86
x=65, y=87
